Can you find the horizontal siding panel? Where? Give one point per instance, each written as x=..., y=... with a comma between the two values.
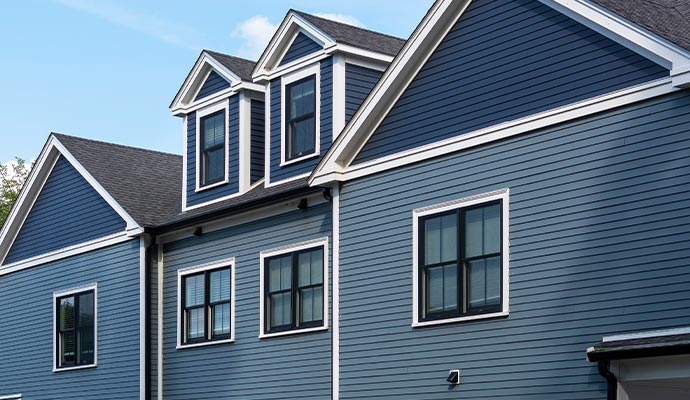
x=522, y=52
x=258, y=137
x=214, y=83
x=301, y=46
x=599, y=217
x=358, y=83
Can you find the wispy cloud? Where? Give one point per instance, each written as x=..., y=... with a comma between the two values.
x=345, y=19
x=149, y=25
x=255, y=34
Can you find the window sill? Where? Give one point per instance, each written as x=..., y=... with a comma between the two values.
x=296, y=160
x=74, y=368
x=460, y=319
x=293, y=332
x=211, y=186
x=204, y=344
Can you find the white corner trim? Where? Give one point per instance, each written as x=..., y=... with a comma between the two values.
x=335, y=263
x=267, y=135
x=70, y=251
x=502, y=195
x=181, y=273
x=245, y=116
x=67, y=292
x=143, y=317
x=159, y=318
x=315, y=71
x=339, y=101
x=185, y=131
x=309, y=244
x=220, y=106
x=500, y=131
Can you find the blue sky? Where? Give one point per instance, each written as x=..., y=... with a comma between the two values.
x=108, y=70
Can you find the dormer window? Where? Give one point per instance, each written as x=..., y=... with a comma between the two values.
x=300, y=100
x=212, y=154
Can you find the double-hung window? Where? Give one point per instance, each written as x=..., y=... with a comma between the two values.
x=206, y=304
x=212, y=146
x=300, y=118
x=75, y=330
x=461, y=264
x=294, y=289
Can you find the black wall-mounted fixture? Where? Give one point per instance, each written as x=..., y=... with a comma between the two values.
x=453, y=377
x=302, y=205
x=198, y=231
x=327, y=194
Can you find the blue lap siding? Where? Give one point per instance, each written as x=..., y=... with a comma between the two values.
x=279, y=173
x=27, y=327
x=599, y=221
x=302, y=46
x=288, y=367
x=214, y=83
x=258, y=138
x=68, y=211
x=503, y=60
x=230, y=188
x=358, y=83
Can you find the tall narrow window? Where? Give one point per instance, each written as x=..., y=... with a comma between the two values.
x=300, y=118
x=212, y=148
x=75, y=330
x=206, y=305
x=294, y=290
x=460, y=262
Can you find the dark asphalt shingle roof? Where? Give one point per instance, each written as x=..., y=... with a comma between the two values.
x=146, y=183
x=242, y=67
x=669, y=19
x=354, y=36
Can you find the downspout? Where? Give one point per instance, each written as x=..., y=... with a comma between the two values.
x=611, y=380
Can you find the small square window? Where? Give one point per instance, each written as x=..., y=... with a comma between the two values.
x=75, y=328
x=206, y=304
x=461, y=259
x=294, y=288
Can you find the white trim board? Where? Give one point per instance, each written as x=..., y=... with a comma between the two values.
x=143, y=315
x=336, y=164
x=52, y=150
x=67, y=292
x=502, y=195
x=335, y=263
x=309, y=244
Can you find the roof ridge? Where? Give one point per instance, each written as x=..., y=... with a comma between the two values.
x=348, y=25
x=58, y=135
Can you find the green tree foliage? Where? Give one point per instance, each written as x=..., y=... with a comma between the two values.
x=12, y=178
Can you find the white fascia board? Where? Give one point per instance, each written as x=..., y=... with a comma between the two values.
x=281, y=42
x=197, y=77
x=628, y=34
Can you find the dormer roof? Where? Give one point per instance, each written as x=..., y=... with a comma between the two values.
x=330, y=36
x=235, y=70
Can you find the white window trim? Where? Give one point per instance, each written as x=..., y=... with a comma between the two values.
x=321, y=242
x=12, y=397
x=223, y=105
x=502, y=195
x=181, y=273
x=286, y=80
x=67, y=292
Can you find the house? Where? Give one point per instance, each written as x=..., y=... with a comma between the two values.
x=496, y=207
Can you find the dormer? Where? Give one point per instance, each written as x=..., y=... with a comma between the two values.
x=223, y=129
x=316, y=73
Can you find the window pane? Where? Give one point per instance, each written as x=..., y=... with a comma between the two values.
x=213, y=130
x=304, y=267
x=318, y=304
x=474, y=232
x=286, y=273
x=86, y=310
x=492, y=229
x=449, y=238
x=214, y=165
x=432, y=245
x=274, y=275
x=68, y=348
x=302, y=136
x=477, y=289
x=67, y=318
x=280, y=309
x=317, y=267
x=434, y=289
x=493, y=281
x=221, y=319
x=196, y=323
x=86, y=345
x=450, y=288
x=194, y=295
x=441, y=236
x=220, y=285
x=306, y=305
x=310, y=268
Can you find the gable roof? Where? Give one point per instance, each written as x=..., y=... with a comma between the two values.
x=146, y=183
x=241, y=66
x=669, y=19
x=336, y=163
x=354, y=36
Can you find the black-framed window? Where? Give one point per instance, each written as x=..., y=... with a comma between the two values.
x=75, y=329
x=206, y=305
x=212, y=148
x=300, y=118
x=460, y=253
x=294, y=294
